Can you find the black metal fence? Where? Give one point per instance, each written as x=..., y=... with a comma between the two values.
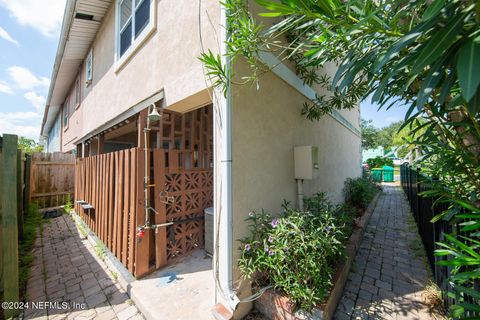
x=424, y=209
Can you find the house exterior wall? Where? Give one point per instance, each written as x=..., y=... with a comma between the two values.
x=167, y=60
x=267, y=124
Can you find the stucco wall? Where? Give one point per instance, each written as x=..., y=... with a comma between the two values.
x=267, y=124
x=167, y=60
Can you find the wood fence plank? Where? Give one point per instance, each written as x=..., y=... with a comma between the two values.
x=160, y=216
x=115, y=210
x=143, y=244
x=133, y=210
x=111, y=201
x=119, y=229
x=126, y=207
x=19, y=194
x=9, y=222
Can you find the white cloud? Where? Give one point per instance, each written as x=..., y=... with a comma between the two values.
x=45, y=15
x=24, y=130
x=5, y=88
x=6, y=36
x=26, y=124
x=36, y=100
x=18, y=117
x=25, y=79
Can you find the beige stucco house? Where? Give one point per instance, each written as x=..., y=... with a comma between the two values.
x=116, y=58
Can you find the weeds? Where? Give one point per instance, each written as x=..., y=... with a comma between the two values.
x=68, y=207
x=33, y=219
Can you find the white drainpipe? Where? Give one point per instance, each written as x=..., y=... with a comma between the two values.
x=225, y=212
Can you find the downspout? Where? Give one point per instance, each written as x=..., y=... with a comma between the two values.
x=226, y=179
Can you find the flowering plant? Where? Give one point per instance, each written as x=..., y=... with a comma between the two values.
x=295, y=252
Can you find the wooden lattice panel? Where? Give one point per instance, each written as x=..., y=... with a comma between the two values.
x=193, y=193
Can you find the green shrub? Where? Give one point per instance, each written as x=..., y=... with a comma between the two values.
x=297, y=252
x=379, y=162
x=359, y=192
x=68, y=207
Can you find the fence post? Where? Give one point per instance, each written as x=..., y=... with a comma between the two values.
x=9, y=222
x=1, y=218
x=19, y=194
x=26, y=193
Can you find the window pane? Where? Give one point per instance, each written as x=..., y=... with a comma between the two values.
x=126, y=38
x=142, y=16
x=125, y=12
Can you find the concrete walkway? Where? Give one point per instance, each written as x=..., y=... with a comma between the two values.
x=388, y=277
x=69, y=280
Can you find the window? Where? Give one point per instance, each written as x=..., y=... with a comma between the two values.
x=78, y=95
x=133, y=18
x=65, y=114
x=89, y=68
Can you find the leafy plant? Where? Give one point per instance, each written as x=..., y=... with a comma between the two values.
x=379, y=162
x=296, y=253
x=359, y=192
x=29, y=146
x=68, y=207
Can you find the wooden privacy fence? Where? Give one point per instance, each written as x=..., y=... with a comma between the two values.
x=110, y=199
x=14, y=173
x=52, y=179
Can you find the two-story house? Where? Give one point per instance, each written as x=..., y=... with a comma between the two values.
x=236, y=153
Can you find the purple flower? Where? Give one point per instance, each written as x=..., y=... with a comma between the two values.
x=274, y=223
x=270, y=239
x=271, y=253
x=248, y=247
x=266, y=248
x=328, y=228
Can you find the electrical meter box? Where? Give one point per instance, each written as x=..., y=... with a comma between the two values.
x=306, y=162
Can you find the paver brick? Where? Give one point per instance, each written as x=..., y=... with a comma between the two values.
x=392, y=273
x=73, y=274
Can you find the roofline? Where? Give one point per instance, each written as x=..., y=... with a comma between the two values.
x=62, y=42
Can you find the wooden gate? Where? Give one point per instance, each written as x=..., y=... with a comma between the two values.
x=52, y=179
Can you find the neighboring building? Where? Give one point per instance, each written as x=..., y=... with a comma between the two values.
x=116, y=58
x=380, y=152
x=372, y=153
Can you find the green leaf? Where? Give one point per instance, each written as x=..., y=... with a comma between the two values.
x=468, y=68
x=433, y=9
x=433, y=78
x=474, y=103
x=437, y=44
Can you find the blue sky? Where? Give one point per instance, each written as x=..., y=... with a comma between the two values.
x=382, y=118
x=29, y=31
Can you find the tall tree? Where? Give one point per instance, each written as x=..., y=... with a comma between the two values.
x=369, y=134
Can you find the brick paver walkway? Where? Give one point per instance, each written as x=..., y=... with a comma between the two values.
x=68, y=270
x=388, y=277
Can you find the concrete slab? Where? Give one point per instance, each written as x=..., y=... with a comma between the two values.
x=181, y=291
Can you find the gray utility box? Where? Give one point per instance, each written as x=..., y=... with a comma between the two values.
x=209, y=222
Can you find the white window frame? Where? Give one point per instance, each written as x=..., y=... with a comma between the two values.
x=136, y=43
x=66, y=108
x=89, y=68
x=78, y=93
